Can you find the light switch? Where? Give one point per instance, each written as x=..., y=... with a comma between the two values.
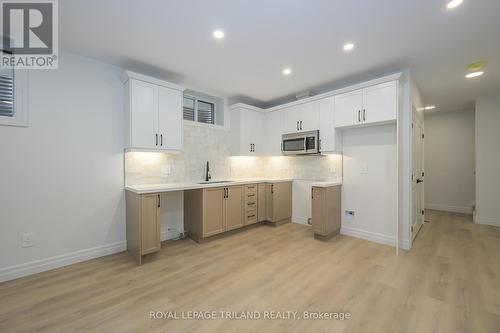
x=364, y=168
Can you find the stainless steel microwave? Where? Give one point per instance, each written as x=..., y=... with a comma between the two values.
x=301, y=143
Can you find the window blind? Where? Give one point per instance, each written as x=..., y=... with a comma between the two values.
x=6, y=93
x=205, y=112
x=188, y=108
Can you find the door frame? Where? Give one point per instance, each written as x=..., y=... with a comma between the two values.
x=417, y=122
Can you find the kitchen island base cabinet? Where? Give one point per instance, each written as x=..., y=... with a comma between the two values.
x=143, y=224
x=326, y=210
x=278, y=203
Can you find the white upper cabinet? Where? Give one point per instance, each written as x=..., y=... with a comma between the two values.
x=275, y=129
x=330, y=139
x=153, y=113
x=373, y=105
x=301, y=117
x=169, y=118
x=248, y=131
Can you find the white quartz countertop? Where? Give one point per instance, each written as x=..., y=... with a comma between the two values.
x=171, y=187
x=326, y=184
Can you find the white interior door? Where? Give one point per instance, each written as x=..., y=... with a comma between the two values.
x=418, y=175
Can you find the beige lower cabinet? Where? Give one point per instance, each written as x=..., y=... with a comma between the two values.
x=261, y=203
x=143, y=224
x=326, y=210
x=211, y=211
x=279, y=202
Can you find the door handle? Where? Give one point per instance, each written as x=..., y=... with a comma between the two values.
x=359, y=116
x=156, y=140
x=161, y=139
x=272, y=188
x=159, y=201
x=297, y=125
x=419, y=180
x=364, y=115
x=312, y=193
x=301, y=125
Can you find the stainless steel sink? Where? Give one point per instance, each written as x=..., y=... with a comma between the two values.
x=214, y=182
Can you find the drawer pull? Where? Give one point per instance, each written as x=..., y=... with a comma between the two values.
x=251, y=204
x=250, y=186
x=249, y=216
x=251, y=195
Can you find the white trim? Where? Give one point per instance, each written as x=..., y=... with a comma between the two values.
x=368, y=235
x=204, y=125
x=246, y=106
x=365, y=84
x=136, y=76
x=487, y=221
x=446, y=208
x=299, y=220
x=42, y=265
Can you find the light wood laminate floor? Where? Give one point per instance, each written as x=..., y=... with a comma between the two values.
x=449, y=282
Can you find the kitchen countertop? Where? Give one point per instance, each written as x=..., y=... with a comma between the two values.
x=326, y=184
x=171, y=187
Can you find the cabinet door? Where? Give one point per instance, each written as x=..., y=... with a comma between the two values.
x=308, y=116
x=213, y=211
x=380, y=103
x=169, y=118
x=348, y=108
x=234, y=207
x=318, y=210
x=143, y=114
x=269, y=202
x=282, y=201
x=291, y=119
x=261, y=202
x=274, y=132
x=252, y=132
x=150, y=223
x=328, y=140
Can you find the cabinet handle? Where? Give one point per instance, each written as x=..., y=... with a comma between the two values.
x=359, y=116
x=156, y=140
x=312, y=193
x=249, y=216
x=297, y=125
x=301, y=125
x=364, y=115
x=159, y=201
x=161, y=139
x=272, y=188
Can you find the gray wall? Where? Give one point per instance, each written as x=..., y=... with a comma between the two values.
x=449, y=161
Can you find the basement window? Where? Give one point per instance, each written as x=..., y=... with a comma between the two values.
x=201, y=108
x=13, y=90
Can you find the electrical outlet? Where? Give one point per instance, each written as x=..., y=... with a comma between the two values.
x=333, y=169
x=349, y=214
x=28, y=239
x=165, y=170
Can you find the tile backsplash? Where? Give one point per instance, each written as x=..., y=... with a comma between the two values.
x=202, y=144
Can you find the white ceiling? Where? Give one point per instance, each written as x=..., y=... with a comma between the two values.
x=173, y=40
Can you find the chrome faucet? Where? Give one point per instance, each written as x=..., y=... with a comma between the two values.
x=207, y=174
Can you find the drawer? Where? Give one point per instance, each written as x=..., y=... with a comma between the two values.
x=250, y=205
x=251, y=188
x=251, y=217
x=250, y=196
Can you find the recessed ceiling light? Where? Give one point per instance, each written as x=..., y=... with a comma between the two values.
x=348, y=46
x=430, y=107
x=454, y=3
x=287, y=71
x=219, y=34
x=474, y=74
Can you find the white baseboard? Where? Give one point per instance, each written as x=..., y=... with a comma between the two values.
x=368, y=235
x=487, y=221
x=299, y=219
x=42, y=265
x=446, y=208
